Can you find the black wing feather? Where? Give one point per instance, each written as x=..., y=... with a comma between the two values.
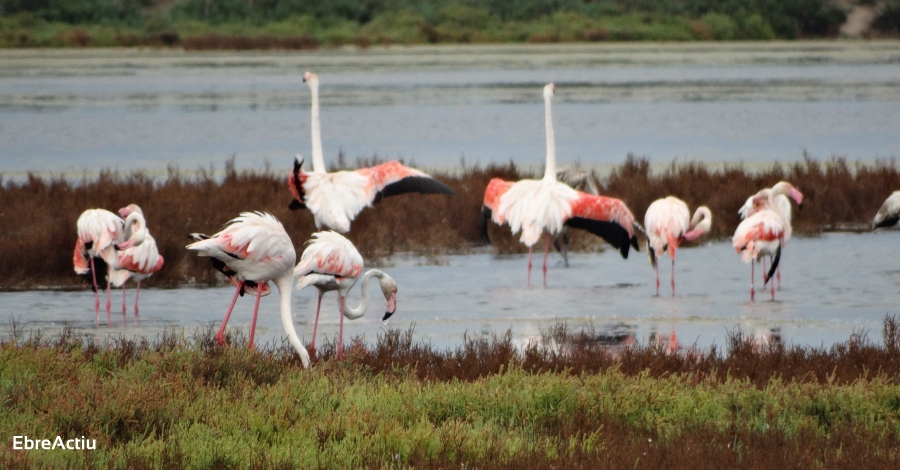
x=613, y=233
x=413, y=184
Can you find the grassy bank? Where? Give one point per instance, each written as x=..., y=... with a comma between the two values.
x=37, y=226
x=299, y=24
x=567, y=403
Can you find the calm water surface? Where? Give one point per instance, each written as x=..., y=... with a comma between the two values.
x=832, y=287
x=71, y=111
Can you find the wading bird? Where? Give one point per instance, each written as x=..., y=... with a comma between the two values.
x=331, y=262
x=763, y=234
x=579, y=181
x=336, y=198
x=760, y=201
x=255, y=247
x=889, y=214
x=546, y=206
x=137, y=257
x=668, y=223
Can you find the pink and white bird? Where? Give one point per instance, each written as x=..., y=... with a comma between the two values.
x=668, y=223
x=545, y=206
x=889, y=213
x=255, y=247
x=100, y=235
x=330, y=262
x=138, y=257
x=760, y=201
x=763, y=234
x=335, y=199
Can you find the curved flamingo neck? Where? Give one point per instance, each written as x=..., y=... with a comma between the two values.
x=318, y=160
x=284, y=292
x=550, y=170
x=360, y=310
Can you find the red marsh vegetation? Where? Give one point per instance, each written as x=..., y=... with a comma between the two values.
x=38, y=215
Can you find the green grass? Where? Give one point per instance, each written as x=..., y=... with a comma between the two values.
x=187, y=402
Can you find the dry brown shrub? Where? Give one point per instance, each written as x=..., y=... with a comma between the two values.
x=37, y=224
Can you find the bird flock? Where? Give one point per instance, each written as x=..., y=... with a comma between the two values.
x=254, y=250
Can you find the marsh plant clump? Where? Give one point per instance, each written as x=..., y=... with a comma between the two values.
x=37, y=226
x=564, y=402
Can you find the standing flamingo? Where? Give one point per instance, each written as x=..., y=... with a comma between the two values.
x=763, y=234
x=335, y=199
x=668, y=223
x=546, y=206
x=331, y=262
x=889, y=213
x=760, y=201
x=137, y=257
x=256, y=248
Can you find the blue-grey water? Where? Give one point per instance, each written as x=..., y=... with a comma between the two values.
x=72, y=111
x=75, y=112
x=833, y=286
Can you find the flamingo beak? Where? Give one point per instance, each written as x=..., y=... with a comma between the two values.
x=305, y=76
x=796, y=195
x=124, y=245
x=391, y=306
x=123, y=212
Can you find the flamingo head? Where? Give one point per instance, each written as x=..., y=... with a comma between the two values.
x=127, y=210
x=311, y=78
x=389, y=289
x=549, y=89
x=787, y=188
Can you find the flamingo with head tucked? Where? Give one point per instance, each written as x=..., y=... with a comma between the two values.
x=137, y=257
x=763, y=234
x=255, y=247
x=760, y=201
x=545, y=206
x=331, y=262
x=668, y=223
x=336, y=198
x=889, y=213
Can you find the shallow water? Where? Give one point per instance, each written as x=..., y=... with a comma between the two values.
x=71, y=111
x=833, y=286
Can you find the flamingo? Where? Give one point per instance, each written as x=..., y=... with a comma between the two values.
x=763, y=234
x=889, y=213
x=547, y=205
x=256, y=248
x=137, y=257
x=99, y=231
x=331, y=262
x=668, y=223
x=336, y=198
x=760, y=201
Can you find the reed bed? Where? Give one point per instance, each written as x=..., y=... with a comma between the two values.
x=566, y=402
x=37, y=222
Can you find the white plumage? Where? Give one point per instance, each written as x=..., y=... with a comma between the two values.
x=889, y=213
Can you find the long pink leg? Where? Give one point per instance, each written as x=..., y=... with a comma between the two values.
x=778, y=276
x=220, y=336
x=752, y=275
x=312, y=344
x=546, y=249
x=108, y=297
x=340, y=348
x=772, y=289
x=96, y=291
x=528, y=283
x=673, y=277
x=259, y=289
x=656, y=268
x=123, y=299
x=137, y=294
